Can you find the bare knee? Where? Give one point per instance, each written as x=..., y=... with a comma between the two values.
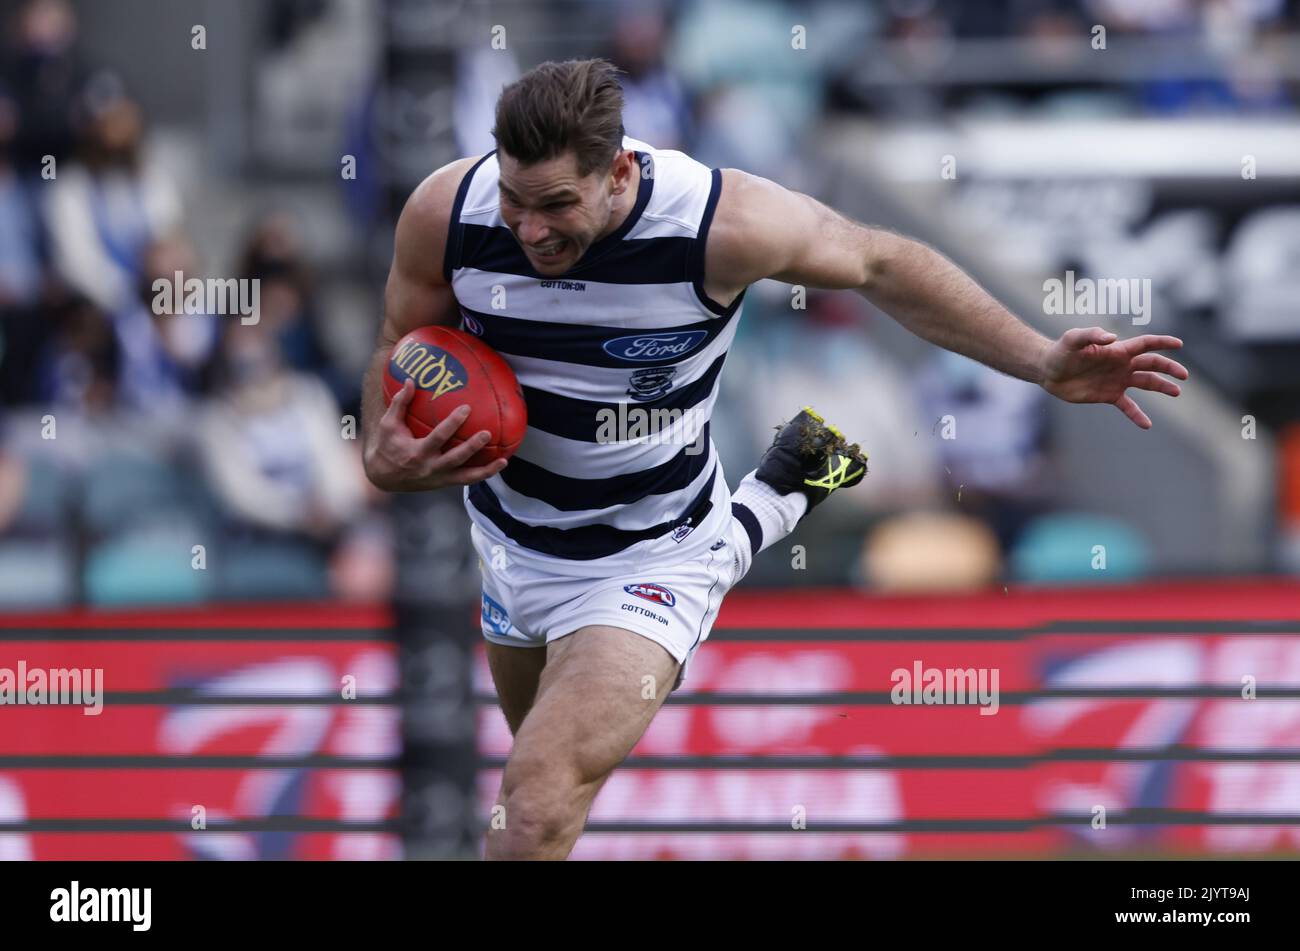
x=544, y=807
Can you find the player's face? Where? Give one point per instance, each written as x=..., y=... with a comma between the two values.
x=554, y=213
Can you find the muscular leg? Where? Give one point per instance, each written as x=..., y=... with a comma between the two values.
x=515, y=672
x=593, y=705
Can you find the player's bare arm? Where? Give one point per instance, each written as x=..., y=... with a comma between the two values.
x=762, y=230
x=418, y=295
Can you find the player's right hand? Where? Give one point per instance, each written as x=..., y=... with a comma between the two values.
x=398, y=461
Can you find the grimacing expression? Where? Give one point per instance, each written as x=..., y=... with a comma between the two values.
x=554, y=213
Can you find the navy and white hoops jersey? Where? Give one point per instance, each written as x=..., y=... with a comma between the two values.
x=627, y=332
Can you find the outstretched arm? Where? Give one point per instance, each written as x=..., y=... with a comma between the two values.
x=761, y=230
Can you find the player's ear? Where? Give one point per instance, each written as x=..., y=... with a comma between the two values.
x=623, y=169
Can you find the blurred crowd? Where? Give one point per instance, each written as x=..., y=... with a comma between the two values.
x=702, y=71
x=132, y=432
x=178, y=429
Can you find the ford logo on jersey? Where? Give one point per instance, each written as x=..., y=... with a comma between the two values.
x=471, y=325
x=662, y=346
x=652, y=592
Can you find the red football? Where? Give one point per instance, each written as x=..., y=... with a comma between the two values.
x=451, y=368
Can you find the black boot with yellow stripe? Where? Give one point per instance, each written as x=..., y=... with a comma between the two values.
x=811, y=456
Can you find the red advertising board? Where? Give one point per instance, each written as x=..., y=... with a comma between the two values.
x=1180, y=704
x=170, y=745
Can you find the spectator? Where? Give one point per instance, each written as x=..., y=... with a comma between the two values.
x=754, y=107
x=23, y=330
x=825, y=356
x=164, y=355
x=13, y=484
x=21, y=272
x=481, y=73
x=992, y=435
x=654, y=104
x=46, y=78
x=272, y=445
x=273, y=256
x=105, y=212
x=78, y=369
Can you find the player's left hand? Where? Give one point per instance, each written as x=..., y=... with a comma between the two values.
x=1091, y=365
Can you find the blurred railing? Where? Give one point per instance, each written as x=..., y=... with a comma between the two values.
x=1022, y=61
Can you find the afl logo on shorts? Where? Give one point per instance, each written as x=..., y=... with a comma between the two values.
x=652, y=592
x=471, y=325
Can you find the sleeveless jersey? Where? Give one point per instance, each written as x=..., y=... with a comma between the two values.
x=625, y=338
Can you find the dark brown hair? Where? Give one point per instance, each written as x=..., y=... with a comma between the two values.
x=557, y=107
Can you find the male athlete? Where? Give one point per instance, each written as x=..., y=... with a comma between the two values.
x=606, y=271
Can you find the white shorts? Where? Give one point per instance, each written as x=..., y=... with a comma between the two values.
x=672, y=602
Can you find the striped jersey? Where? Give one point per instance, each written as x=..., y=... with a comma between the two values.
x=619, y=360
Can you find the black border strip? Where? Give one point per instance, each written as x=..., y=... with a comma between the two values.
x=160, y=761
x=676, y=763
x=1005, y=697
x=1055, y=628
x=946, y=761
x=1134, y=817
x=960, y=761
x=189, y=697
x=268, y=635
x=268, y=824
x=1240, y=628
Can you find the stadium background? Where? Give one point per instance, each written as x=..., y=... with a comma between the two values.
x=996, y=131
